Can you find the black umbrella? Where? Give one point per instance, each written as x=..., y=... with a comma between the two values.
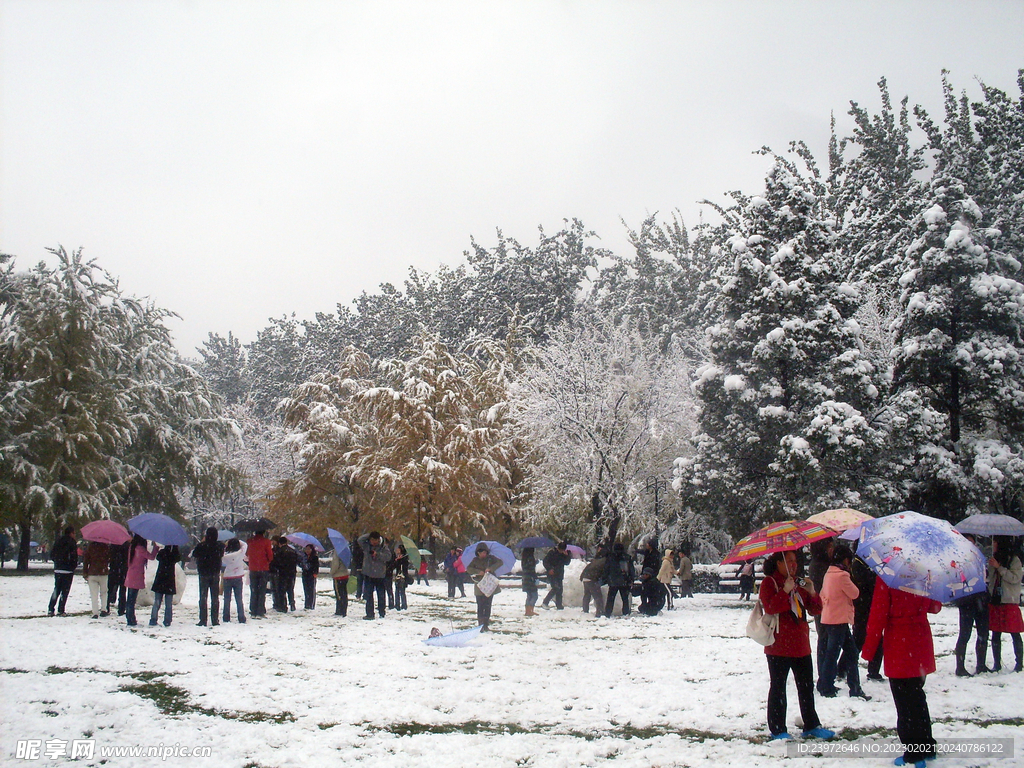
x=255, y=524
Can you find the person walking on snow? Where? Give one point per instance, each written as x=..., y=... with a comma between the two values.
x=95, y=568
x=65, y=559
x=135, y=577
x=554, y=565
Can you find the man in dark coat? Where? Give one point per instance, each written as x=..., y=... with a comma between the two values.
x=207, y=555
x=117, y=569
x=651, y=595
x=376, y=555
x=619, y=573
x=554, y=565
x=285, y=561
x=65, y=560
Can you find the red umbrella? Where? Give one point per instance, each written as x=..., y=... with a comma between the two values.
x=105, y=532
x=777, y=537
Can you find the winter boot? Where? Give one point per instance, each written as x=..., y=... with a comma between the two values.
x=530, y=611
x=961, y=669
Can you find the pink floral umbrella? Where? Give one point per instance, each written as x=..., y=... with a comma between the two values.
x=839, y=519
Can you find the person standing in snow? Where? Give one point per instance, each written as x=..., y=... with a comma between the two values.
x=837, y=595
x=233, y=564
x=421, y=573
x=259, y=554
x=901, y=620
x=163, y=584
x=482, y=564
x=207, y=556
x=339, y=577
x=685, y=575
x=746, y=580
x=554, y=565
x=117, y=567
x=666, y=573
x=310, y=570
x=95, y=568
x=401, y=577
x=619, y=573
x=528, y=563
x=1004, y=579
x=285, y=561
x=65, y=559
x=135, y=577
x=782, y=594
x=973, y=611
x=376, y=555
x=592, y=576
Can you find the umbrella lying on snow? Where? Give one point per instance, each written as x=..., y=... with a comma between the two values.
x=991, y=525
x=508, y=559
x=455, y=639
x=105, y=532
x=159, y=528
x=922, y=555
x=302, y=539
x=777, y=537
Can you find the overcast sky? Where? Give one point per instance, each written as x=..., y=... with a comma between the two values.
x=237, y=161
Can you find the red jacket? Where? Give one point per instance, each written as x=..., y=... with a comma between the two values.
x=792, y=638
x=259, y=554
x=902, y=620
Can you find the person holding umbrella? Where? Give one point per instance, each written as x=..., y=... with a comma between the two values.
x=310, y=570
x=973, y=617
x=1004, y=578
x=95, y=568
x=528, y=563
x=339, y=577
x=259, y=553
x=135, y=577
x=163, y=584
x=478, y=567
x=792, y=599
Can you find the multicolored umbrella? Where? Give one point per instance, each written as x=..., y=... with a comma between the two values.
x=839, y=519
x=985, y=525
x=777, y=537
x=922, y=555
x=105, y=532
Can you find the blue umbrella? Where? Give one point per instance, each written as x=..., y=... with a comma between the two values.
x=991, y=525
x=225, y=535
x=537, y=542
x=341, y=546
x=508, y=558
x=922, y=555
x=302, y=539
x=159, y=528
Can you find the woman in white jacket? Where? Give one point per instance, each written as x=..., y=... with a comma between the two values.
x=234, y=567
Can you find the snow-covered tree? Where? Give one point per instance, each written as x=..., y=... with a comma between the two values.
x=98, y=416
x=604, y=410
x=409, y=446
x=786, y=401
x=960, y=336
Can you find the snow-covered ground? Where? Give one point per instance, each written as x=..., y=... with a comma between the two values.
x=309, y=689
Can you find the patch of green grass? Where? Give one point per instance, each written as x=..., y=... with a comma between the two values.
x=174, y=701
x=14, y=671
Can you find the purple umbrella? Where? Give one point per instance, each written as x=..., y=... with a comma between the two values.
x=159, y=528
x=302, y=539
x=578, y=552
x=341, y=546
x=105, y=532
x=507, y=557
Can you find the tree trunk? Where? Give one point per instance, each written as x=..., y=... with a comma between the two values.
x=23, y=546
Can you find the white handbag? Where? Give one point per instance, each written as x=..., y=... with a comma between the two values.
x=488, y=584
x=761, y=627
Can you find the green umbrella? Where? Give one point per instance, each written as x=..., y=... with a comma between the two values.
x=414, y=554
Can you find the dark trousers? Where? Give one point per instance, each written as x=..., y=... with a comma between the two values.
x=341, y=597
x=389, y=585
x=592, y=591
x=623, y=592
x=455, y=582
x=483, y=610
x=838, y=640
x=370, y=588
x=284, y=592
x=208, y=590
x=258, y=593
x=875, y=665
x=401, y=601
x=997, y=649
x=117, y=592
x=913, y=723
x=309, y=590
x=803, y=675
x=972, y=617
x=129, y=607
x=555, y=592
x=61, y=590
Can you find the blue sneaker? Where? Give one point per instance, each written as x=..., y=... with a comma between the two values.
x=818, y=733
x=901, y=761
x=784, y=736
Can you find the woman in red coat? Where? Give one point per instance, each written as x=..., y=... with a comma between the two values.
x=901, y=619
x=781, y=594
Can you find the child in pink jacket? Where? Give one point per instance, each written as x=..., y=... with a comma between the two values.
x=837, y=595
